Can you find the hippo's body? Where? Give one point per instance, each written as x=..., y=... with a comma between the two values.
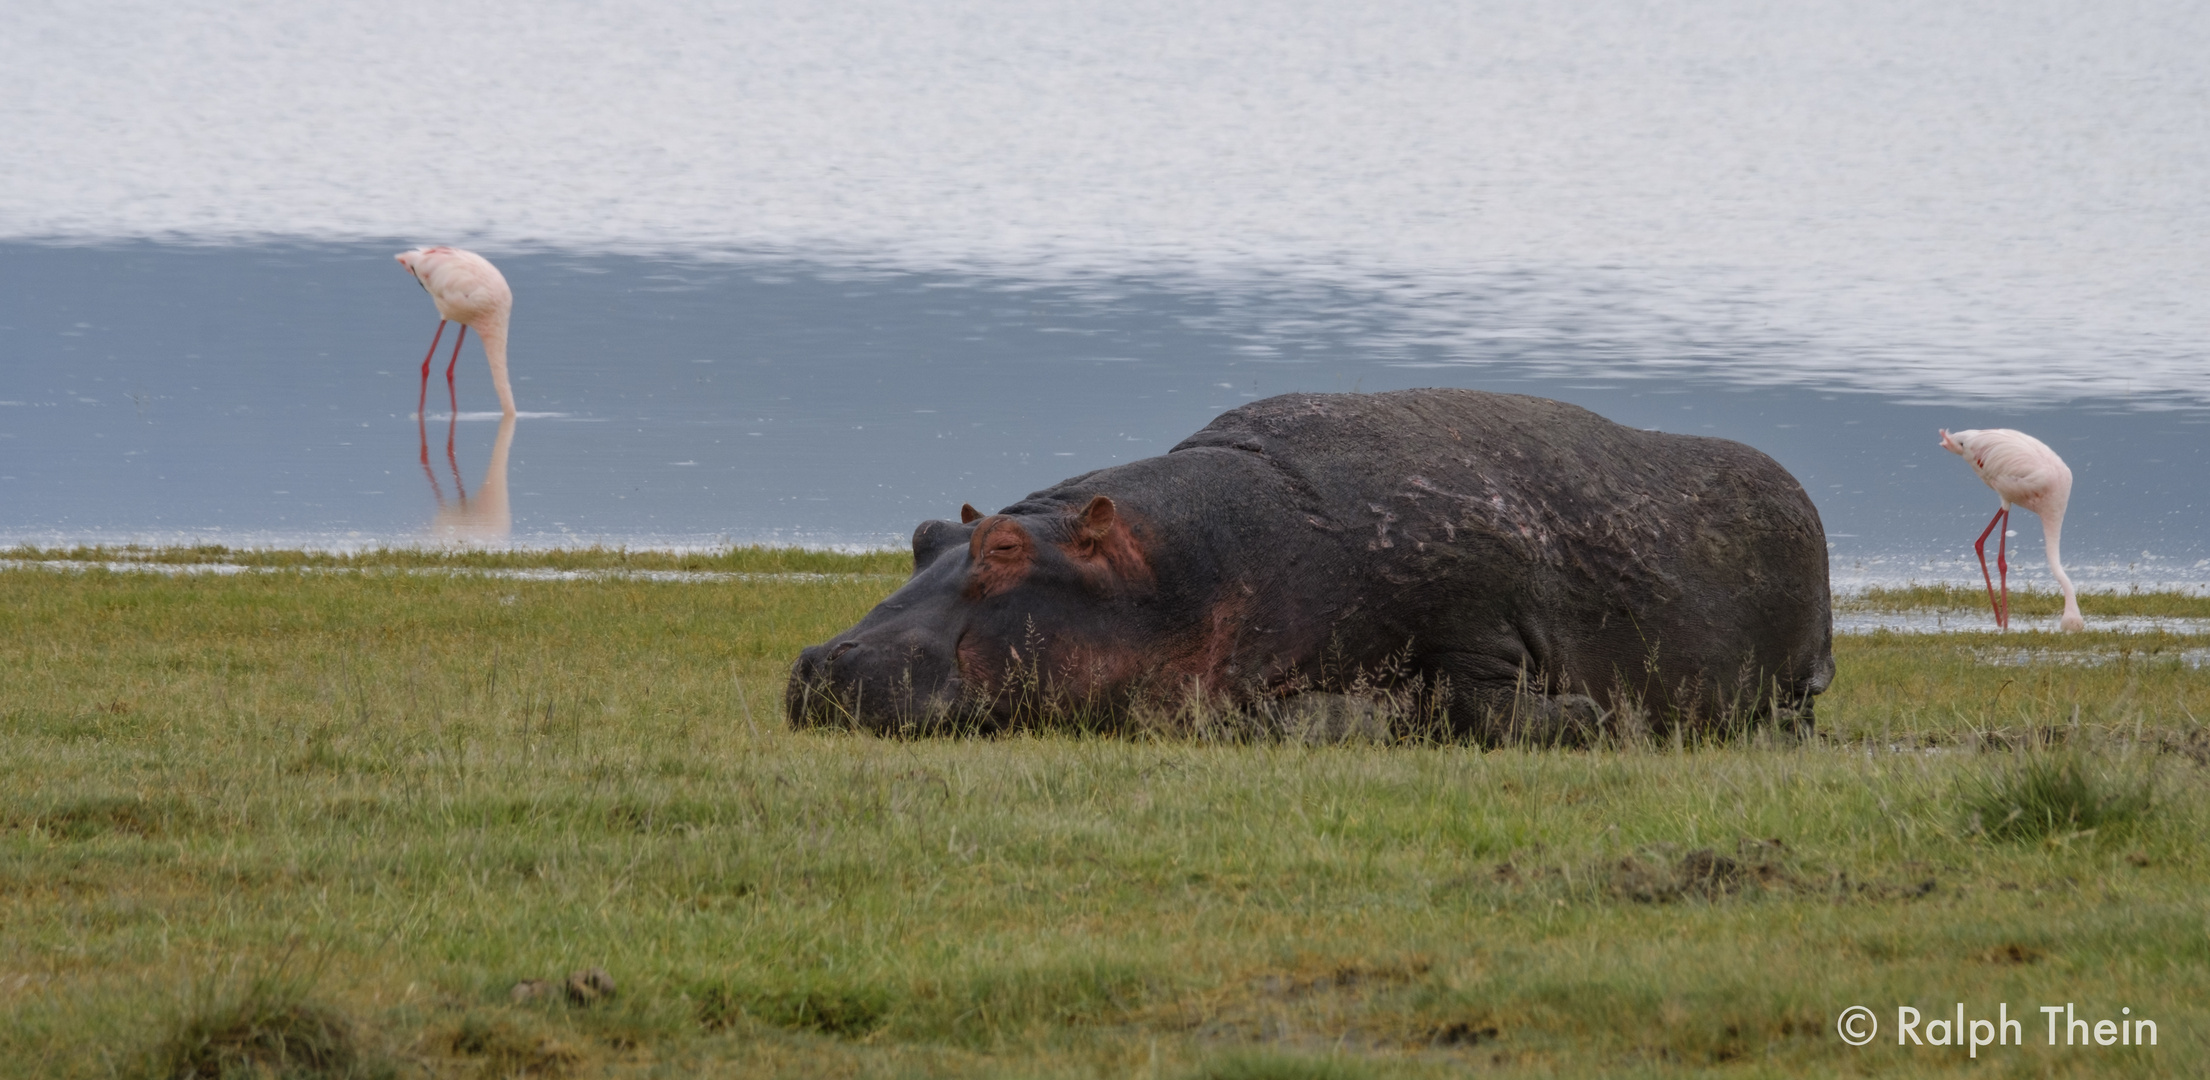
x=1535, y=566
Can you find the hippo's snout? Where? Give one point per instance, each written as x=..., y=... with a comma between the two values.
x=882, y=681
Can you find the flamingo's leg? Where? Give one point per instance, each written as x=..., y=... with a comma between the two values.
x=455, y=362
x=421, y=428
x=424, y=399
x=2002, y=568
x=453, y=460
x=1980, y=546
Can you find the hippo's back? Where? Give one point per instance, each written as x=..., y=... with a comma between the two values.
x=1472, y=516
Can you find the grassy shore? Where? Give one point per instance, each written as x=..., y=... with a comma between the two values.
x=347, y=813
x=2028, y=604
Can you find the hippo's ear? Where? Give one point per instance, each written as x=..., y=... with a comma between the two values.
x=1097, y=519
x=1105, y=548
x=968, y=515
x=933, y=538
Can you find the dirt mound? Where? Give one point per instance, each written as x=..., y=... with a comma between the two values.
x=1700, y=874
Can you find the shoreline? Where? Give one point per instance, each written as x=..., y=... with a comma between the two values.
x=1861, y=606
x=1850, y=577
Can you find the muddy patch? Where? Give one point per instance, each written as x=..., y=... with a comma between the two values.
x=1663, y=874
x=1701, y=874
x=502, y=1048
x=2011, y=954
x=96, y=816
x=1334, y=1006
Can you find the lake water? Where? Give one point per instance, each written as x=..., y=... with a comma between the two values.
x=800, y=276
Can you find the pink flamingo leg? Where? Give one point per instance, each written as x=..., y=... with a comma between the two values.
x=2002, y=568
x=424, y=399
x=450, y=392
x=1980, y=546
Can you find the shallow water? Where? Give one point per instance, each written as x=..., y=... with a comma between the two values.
x=794, y=274
x=2192, y=659
x=267, y=395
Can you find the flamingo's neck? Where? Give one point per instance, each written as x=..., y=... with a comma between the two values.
x=494, y=350
x=493, y=516
x=2052, y=527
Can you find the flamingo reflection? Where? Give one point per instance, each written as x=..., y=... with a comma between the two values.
x=479, y=517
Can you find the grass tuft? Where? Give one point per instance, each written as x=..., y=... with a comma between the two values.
x=261, y=1035
x=842, y=1011
x=269, y=1029
x=2052, y=794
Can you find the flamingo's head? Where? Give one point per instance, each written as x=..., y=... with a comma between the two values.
x=1956, y=442
x=418, y=262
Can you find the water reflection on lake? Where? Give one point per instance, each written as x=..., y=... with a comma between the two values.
x=487, y=516
x=266, y=395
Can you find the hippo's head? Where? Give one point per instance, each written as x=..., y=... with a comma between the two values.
x=1002, y=613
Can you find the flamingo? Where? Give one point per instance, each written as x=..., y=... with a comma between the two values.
x=2025, y=472
x=468, y=290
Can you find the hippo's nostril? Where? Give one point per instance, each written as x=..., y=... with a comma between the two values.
x=842, y=648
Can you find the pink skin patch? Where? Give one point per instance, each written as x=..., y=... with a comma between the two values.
x=1208, y=658
x=1000, y=555
x=978, y=671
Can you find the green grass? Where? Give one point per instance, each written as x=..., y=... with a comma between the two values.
x=1973, y=689
x=323, y=823
x=2027, y=603
x=2056, y=795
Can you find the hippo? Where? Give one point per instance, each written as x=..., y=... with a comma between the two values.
x=1516, y=567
